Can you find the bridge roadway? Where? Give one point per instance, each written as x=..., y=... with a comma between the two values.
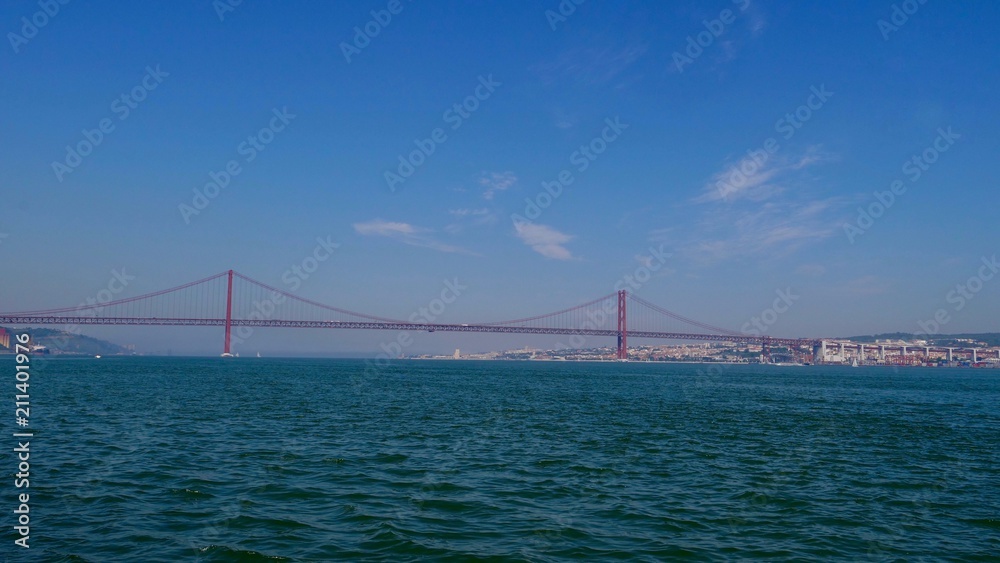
x=426, y=327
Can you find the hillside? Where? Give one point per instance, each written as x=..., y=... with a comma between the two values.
x=62, y=342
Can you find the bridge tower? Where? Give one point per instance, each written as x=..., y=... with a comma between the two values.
x=229, y=313
x=622, y=326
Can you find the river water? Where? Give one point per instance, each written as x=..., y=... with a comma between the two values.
x=167, y=459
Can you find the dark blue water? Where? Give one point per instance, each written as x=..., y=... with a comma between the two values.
x=315, y=460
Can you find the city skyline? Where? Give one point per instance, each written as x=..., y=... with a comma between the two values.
x=536, y=155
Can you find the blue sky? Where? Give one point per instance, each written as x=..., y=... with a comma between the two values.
x=686, y=119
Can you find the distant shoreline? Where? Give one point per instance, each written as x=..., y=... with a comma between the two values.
x=72, y=356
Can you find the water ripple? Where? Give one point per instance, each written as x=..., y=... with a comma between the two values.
x=309, y=460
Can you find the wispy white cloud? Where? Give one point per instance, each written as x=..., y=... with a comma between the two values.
x=814, y=270
x=775, y=229
x=760, y=208
x=494, y=182
x=648, y=262
x=544, y=240
x=732, y=183
x=565, y=120
x=754, y=176
x=751, y=24
x=467, y=212
x=757, y=20
x=384, y=228
x=591, y=65
x=468, y=217
x=868, y=285
x=407, y=234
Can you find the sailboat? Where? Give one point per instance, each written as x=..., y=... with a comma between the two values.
x=854, y=364
x=258, y=354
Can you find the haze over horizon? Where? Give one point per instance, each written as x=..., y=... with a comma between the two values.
x=536, y=154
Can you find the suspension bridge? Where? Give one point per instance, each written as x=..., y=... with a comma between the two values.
x=236, y=302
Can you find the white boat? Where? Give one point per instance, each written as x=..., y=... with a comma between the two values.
x=97, y=357
x=854, y=364
x=227, y=355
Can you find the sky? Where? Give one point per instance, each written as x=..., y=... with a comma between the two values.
x=535, y=151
